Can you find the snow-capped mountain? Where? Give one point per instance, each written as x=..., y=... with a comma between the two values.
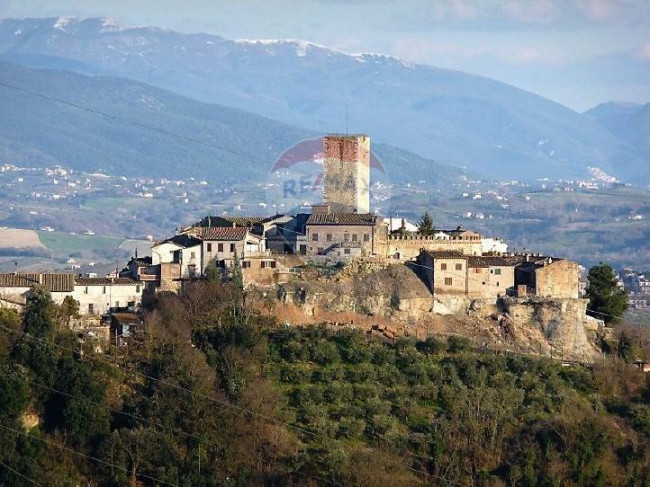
x=462, y=119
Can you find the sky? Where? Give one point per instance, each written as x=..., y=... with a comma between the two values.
x=576, y=52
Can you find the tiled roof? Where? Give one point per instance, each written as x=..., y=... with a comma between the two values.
x=104, y=281
x=446, y=254
x=219, y=233
x=341, y=219
x=182, y=240
x=475, y=261
x=229, y=221
x=51, y=282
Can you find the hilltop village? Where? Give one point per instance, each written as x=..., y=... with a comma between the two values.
x=454, y=271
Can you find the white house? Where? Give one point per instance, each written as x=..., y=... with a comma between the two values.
x=95, y=295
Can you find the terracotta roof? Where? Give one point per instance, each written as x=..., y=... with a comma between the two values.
x=104, y=281
x=219, y=233
x=475, y=261
x=229, y=221
x=51, y=282
x=126, y=318
x=341, y=219
x=447, y=254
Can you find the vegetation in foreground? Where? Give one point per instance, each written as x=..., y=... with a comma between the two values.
x=213, y=394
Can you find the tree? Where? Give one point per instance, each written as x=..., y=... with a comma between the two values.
x=39, y=311
x=68, y=309
x=212, y=271
x=425, y=225
x=236, y=275
x=607, y=301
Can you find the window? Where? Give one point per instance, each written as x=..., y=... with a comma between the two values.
x=104, y=290
x=219, y=247
x=232, y=247
x=209, y=247
x=117, y=304
x=346, y=251
x=346, y=237
x=137, y=289
x=329, y=237
x=91, y=309
x=443, y=267
x=497, y=272
x=366, y=237
x=497, y=283
x=459, y=267
x=263, y=264
x=192, y=255
x=354, y=237
x=448, y=281
x=314, y=237
x=86, y=290
x=272, y=264
x=321, y=250
x=483, y=283
x=246, y=264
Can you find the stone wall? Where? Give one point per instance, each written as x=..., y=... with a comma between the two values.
x=489, y=282
x=559, y=279
x=346, y=175
x=408, y=247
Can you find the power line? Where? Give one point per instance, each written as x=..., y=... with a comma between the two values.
x=89, y=457
x=154, y=423
x=215, y=400
x=16, y=472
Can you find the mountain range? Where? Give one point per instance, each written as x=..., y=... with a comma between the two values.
x=124, y=127
x=464, y=120
x=629, y=122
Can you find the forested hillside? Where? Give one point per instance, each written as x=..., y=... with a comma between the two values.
x=213, y=394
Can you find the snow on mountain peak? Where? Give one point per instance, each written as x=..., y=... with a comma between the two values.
x=113, y=25
x=62, y=22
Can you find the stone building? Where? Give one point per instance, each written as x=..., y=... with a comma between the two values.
x=223, y=243
x=547, y=277
x=346, y=175
x=452, y=272
x=346, y=235
x=408, y=246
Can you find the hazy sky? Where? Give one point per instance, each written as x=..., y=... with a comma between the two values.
x=576, y=52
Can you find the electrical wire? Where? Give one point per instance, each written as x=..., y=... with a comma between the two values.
x=16, y=472
x=90, y=457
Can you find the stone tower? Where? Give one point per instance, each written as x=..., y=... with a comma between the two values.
x=347, y=173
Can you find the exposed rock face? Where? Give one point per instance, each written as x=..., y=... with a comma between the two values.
x=561, y=322
x=394, y=299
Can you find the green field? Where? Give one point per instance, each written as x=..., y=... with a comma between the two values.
x=64, y=243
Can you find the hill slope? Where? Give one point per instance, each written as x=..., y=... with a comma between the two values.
x=464, y=120
x=216, y=142
x=629, y=122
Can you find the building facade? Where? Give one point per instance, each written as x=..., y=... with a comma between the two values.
x=346, y=174
x=346, y=235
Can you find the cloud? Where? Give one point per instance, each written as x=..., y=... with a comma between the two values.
x=531, y=11
x=643, y=52
x=599, y=9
